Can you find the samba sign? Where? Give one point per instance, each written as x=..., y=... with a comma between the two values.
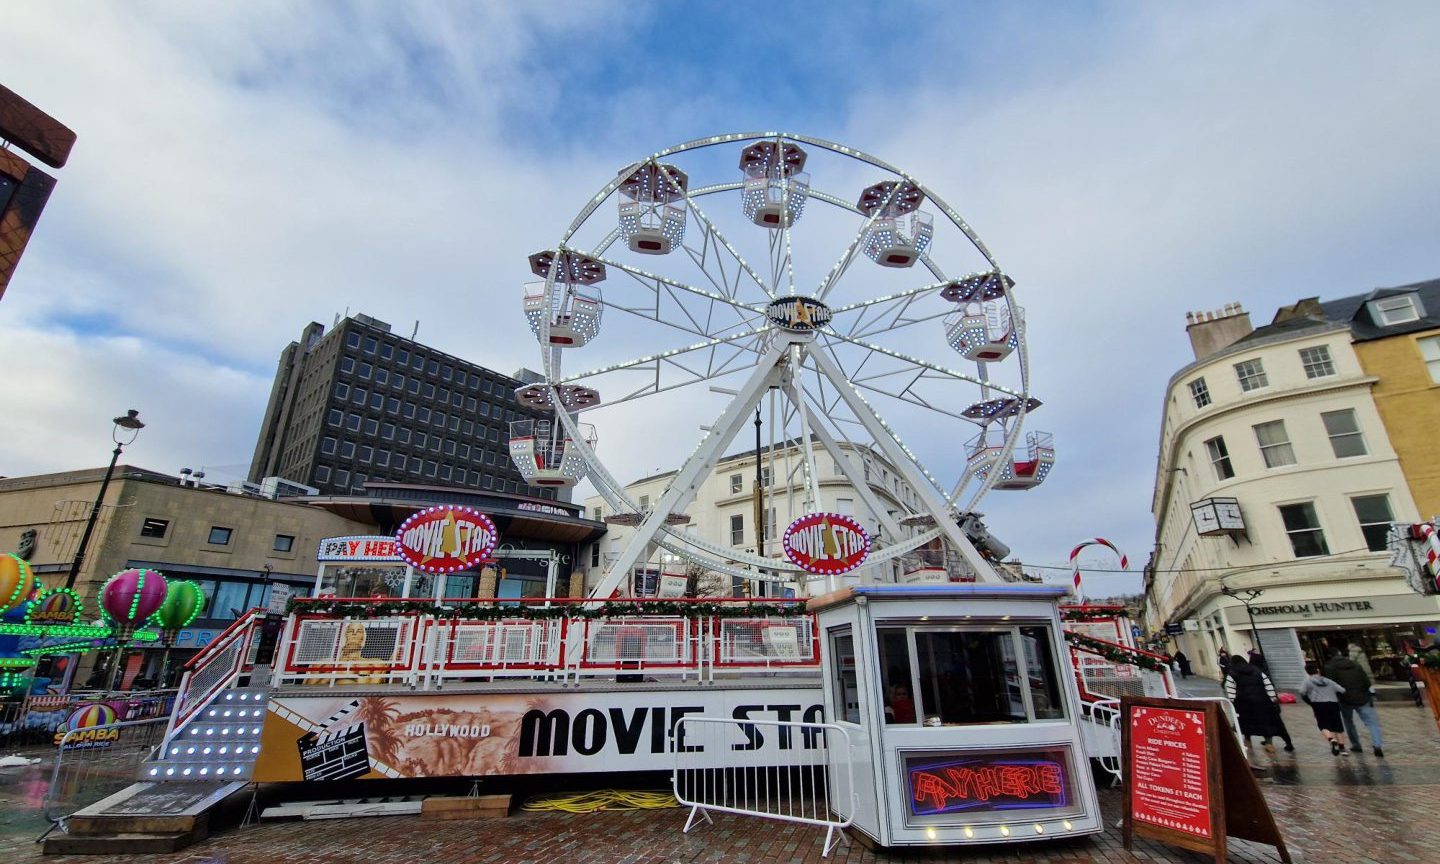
x=446, y=539
x=826, y=543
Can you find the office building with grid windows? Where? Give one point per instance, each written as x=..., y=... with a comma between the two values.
x=360, y=404
x=1286, y=453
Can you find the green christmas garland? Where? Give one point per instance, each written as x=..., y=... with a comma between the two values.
x=492, y=611
x=1078, y=613
x=1117, y=653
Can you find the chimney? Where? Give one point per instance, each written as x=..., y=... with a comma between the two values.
x=1214, y=331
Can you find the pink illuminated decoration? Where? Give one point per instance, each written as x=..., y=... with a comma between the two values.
x=986, y=783
x=131, y=596
x=827, y=544
x=446, y=539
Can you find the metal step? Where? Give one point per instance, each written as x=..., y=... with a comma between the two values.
x=221, y=742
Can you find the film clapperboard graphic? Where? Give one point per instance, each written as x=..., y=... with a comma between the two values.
x=335, y=749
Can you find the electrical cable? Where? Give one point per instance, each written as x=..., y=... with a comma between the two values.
x=1271, y=566
x=601, y=799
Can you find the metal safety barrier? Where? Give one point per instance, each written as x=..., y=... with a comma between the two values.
x=774, y=769
x=95, y=762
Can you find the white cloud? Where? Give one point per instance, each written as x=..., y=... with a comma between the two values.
x=243, y=170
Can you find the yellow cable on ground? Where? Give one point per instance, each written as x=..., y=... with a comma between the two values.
x=601, y=799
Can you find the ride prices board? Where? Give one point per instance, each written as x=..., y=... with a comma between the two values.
x=1187, y=782
x=1170, y=769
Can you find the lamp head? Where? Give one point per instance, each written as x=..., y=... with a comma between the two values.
x=131, y=421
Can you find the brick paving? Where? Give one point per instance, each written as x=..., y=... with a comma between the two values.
x=1347, y=810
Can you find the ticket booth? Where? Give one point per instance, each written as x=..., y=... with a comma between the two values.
x=962, y=713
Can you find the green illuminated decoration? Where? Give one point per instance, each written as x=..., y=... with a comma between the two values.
x=183, y=601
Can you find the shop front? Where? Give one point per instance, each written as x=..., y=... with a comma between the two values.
x=1297, y=629
x=535, y=551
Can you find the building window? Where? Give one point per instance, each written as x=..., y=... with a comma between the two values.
x=736, y=482
x=335, y=417
x=765, y=476
x=284, y=543
x=377, y=401
x=322, y=474
x=595, y=514
x=594, y=555
x=737, y=530
x=1374, y=515
x=154, y=527
x=1274, y=444
x=352, y=422
x=402, y=356
x=342, y=478
x=358, y=395
x=1430, y=353
x=1317, y=362
x=372, y=426
x=1395, y=310
x=1344, y=432
x=371, y=344
x=444, y=472
x=1199, y=392
x=327, y=445
x=387, y=431
x=342, y=390
x=366, y=370
x=1220, y=458
x=352, y=339
x=347, y=365
x=399, y=461
x=845, y=506
x=220, y=536
x=1303, y=526
x=644, y=502
x=382, y=377
x=1251, y=374
x=347, y=449
x=770, y=523
x=382, y=458
x=366, y=453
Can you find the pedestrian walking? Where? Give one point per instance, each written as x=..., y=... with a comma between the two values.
x=1256, y=705
x=1361, y=658
x=1184, y=662
x=1257, y=659
x=1323, y=697
x=1223, y=658
x=1357, y=699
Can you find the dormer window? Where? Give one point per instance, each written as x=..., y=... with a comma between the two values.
x=1390, y=311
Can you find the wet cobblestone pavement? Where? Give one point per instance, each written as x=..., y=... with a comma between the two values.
x=1354, y=809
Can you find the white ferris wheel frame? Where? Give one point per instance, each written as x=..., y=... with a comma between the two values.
x=781, y=358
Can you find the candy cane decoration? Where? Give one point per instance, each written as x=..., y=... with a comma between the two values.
x=1075, y=561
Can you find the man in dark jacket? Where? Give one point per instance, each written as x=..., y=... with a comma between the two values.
x=1356, y=699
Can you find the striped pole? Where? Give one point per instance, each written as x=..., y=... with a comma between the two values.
x=1075, y=561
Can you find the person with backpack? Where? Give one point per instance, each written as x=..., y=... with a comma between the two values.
x=1323, y=697
x=1256, y=704
x=1356, y=699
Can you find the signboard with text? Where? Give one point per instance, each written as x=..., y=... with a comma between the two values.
x=365, y=548
x=980, y=782
x=446, y=539
x=491, y=734
x=827, y=544
x=1186, y=781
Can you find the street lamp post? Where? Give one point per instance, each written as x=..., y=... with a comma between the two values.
x=1247, y=596
x=129, y=424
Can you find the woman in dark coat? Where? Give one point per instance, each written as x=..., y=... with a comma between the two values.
x=1255, y=704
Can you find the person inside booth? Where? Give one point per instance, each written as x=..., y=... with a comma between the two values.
x=899, y=706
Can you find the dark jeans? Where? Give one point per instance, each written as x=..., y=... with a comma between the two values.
x=1369, y=717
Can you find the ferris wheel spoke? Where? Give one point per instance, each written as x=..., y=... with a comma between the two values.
x=848, y=256
x=663, y=355
x=713, y=233
x=934, y=367
x=653, y=282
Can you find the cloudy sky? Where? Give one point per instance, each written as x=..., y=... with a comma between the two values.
x=243, y=169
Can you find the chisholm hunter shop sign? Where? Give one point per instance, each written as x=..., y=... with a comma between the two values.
x=1376, y=606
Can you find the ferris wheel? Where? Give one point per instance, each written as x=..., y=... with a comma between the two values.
x=803, y=276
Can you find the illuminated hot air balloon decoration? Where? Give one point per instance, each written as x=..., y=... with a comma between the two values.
x=183, y=602
x=16, y=581
x=128, y=599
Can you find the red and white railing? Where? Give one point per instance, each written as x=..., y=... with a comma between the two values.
x=421, y=649
x=216, y=668
x=1103, y=678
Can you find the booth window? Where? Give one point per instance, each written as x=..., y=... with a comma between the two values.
x=958, y=676
x=847, y=688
